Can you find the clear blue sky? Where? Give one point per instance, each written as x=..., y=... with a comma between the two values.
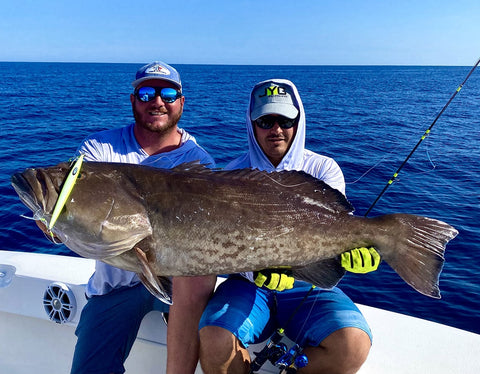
x=295, y=32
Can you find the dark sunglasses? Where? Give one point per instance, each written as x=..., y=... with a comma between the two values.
x=168, y=95
x=267, y=122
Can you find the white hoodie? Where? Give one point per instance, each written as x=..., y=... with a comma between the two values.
x=297, y=157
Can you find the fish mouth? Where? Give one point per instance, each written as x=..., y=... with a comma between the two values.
x=35, y=190
x=25, y=192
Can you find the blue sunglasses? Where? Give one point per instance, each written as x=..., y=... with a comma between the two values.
x=167, y=94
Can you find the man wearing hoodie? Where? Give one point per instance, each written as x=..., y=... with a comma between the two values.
x=249, y=308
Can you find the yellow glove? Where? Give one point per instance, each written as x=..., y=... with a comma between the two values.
x=274, y=279
x=361, y=260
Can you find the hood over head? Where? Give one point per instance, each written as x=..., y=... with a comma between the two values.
x=275, y=96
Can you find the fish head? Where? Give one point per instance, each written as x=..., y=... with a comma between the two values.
x=103, y=216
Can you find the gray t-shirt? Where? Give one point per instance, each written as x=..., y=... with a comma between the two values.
x=120, y=145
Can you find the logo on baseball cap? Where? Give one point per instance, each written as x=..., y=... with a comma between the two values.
x=273, y=98
x=157, y=70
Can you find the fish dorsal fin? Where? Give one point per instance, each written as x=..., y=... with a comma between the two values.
x=312, y=190
x=192, y=166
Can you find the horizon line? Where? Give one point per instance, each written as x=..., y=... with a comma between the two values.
x=228, y=64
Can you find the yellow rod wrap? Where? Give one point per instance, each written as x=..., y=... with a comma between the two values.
x=66, y=190
x=423, y=137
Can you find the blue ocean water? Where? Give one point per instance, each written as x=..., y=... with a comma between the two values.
x=367, y=117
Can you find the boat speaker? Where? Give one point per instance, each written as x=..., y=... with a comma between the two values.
x=59, y=303
x=6, y=275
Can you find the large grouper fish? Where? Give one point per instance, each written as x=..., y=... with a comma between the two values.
x=191, y=221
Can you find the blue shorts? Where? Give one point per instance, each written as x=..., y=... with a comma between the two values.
x=253, y=314
x=108, y=328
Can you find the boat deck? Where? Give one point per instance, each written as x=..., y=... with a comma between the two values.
x=31, y=342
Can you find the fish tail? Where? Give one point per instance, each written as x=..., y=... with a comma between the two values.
x=417, y=250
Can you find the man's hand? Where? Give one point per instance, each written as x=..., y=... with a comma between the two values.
x=361, y=260
x=274, y=279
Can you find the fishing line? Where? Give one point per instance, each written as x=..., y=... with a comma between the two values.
x=309, y=312
x=27, y=217
x=37, y=217
x=429, y=158
x=394, y=151
x=427, y=153
x=369, y=170
x=427, y=132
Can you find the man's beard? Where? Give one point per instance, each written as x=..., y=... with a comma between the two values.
x=166, y=128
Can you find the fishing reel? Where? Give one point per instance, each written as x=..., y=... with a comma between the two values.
x=292, y=360
x=275, y=351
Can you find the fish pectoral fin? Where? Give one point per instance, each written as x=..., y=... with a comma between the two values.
x=324, y=274
x=160, y=287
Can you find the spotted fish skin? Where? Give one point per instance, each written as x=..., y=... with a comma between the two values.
x=192, y=221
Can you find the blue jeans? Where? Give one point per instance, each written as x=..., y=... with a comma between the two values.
x=108, y=328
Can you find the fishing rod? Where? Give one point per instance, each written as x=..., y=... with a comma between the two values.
x=290, y=360
x=395, y=175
